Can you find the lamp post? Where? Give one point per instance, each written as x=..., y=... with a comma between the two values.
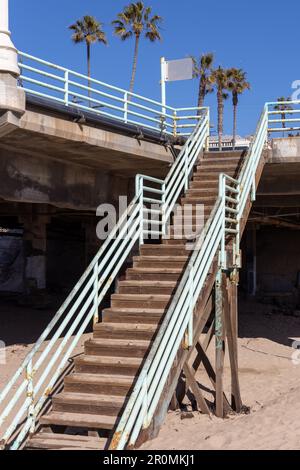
x=8, y=52
x=12, y=98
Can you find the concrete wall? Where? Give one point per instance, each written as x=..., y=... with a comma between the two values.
x=286, y=149
x=33, y=180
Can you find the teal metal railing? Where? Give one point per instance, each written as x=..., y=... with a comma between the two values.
x=72, y=89
x=225, y=219
x=24, y=397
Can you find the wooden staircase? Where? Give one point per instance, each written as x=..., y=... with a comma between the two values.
x=84, y=415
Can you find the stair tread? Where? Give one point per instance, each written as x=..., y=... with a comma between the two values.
x=88, y=398
x=110, y=360
x=125, y=327
x=53, y=441
x=160, y=258
x=135, y=310
x=132, y=283
x=99, y=378
x=141, y=297
x=158, y=247
x=157, y=270
x=79, y=420
x=118, y=342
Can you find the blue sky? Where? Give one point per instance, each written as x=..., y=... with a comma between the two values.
x=260, y=36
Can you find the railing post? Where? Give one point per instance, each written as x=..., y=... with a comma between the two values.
x=220, y=352
x=163, y=212
x=96, y=294
x=139, y=192
x=222, y=257
x=186, y=171
x=66, y=95
x=191, y=309
x=236, y=246
x=175, y=118
x=126, y=107
x=30, y=395
x=189, y=332
x=207, y=130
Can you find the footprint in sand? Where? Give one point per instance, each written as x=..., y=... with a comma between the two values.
x=216, y=442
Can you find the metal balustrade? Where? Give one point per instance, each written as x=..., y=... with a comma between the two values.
x=225, y=220
x=72, y=89
x=284, y=117
x=36, y=378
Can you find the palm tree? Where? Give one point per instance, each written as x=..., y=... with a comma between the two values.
x=88, y=30
x=283, y=106
x=237, y=85
x=202, y=70
x=136, y=19
x=220, y=78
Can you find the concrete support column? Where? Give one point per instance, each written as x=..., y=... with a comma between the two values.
x=11, y=98
x=35, y=239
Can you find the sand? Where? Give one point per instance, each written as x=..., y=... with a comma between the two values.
x=270, y=386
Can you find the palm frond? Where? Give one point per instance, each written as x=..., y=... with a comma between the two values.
x=88, y=29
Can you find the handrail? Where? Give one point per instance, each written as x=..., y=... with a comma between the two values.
x=51, y=81
x=47, y=360
x=225, y=219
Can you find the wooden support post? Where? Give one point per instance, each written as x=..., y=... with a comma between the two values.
x=231, y=321
x=220, y=344
x=202, y=405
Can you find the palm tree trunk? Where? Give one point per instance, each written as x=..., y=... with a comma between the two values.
x=89, y=69
x=220, y=117
x=201, y=96
x=136, y=51
x=234, y=126
x=283, y=124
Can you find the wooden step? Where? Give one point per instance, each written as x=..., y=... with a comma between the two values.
x=124, y=330
x=116, y=347
x=205, y=185
x=168, y=274
x=194, y=200
x=162, y=250
x=112, y=365
x=148, y=287
x=139, y=301
x=108, y=405
x=223, y=154
x=224, y=159
x=53, y=441
x=79, y=420
x=222, y=166
x=102, y=384
x=130, y=315
x=203, y=193
x=107, y=365
x=170, y=241
x=210, y=173
x=159, y=261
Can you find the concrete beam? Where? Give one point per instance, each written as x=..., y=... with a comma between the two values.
x=81, y=144
x=8, y=123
